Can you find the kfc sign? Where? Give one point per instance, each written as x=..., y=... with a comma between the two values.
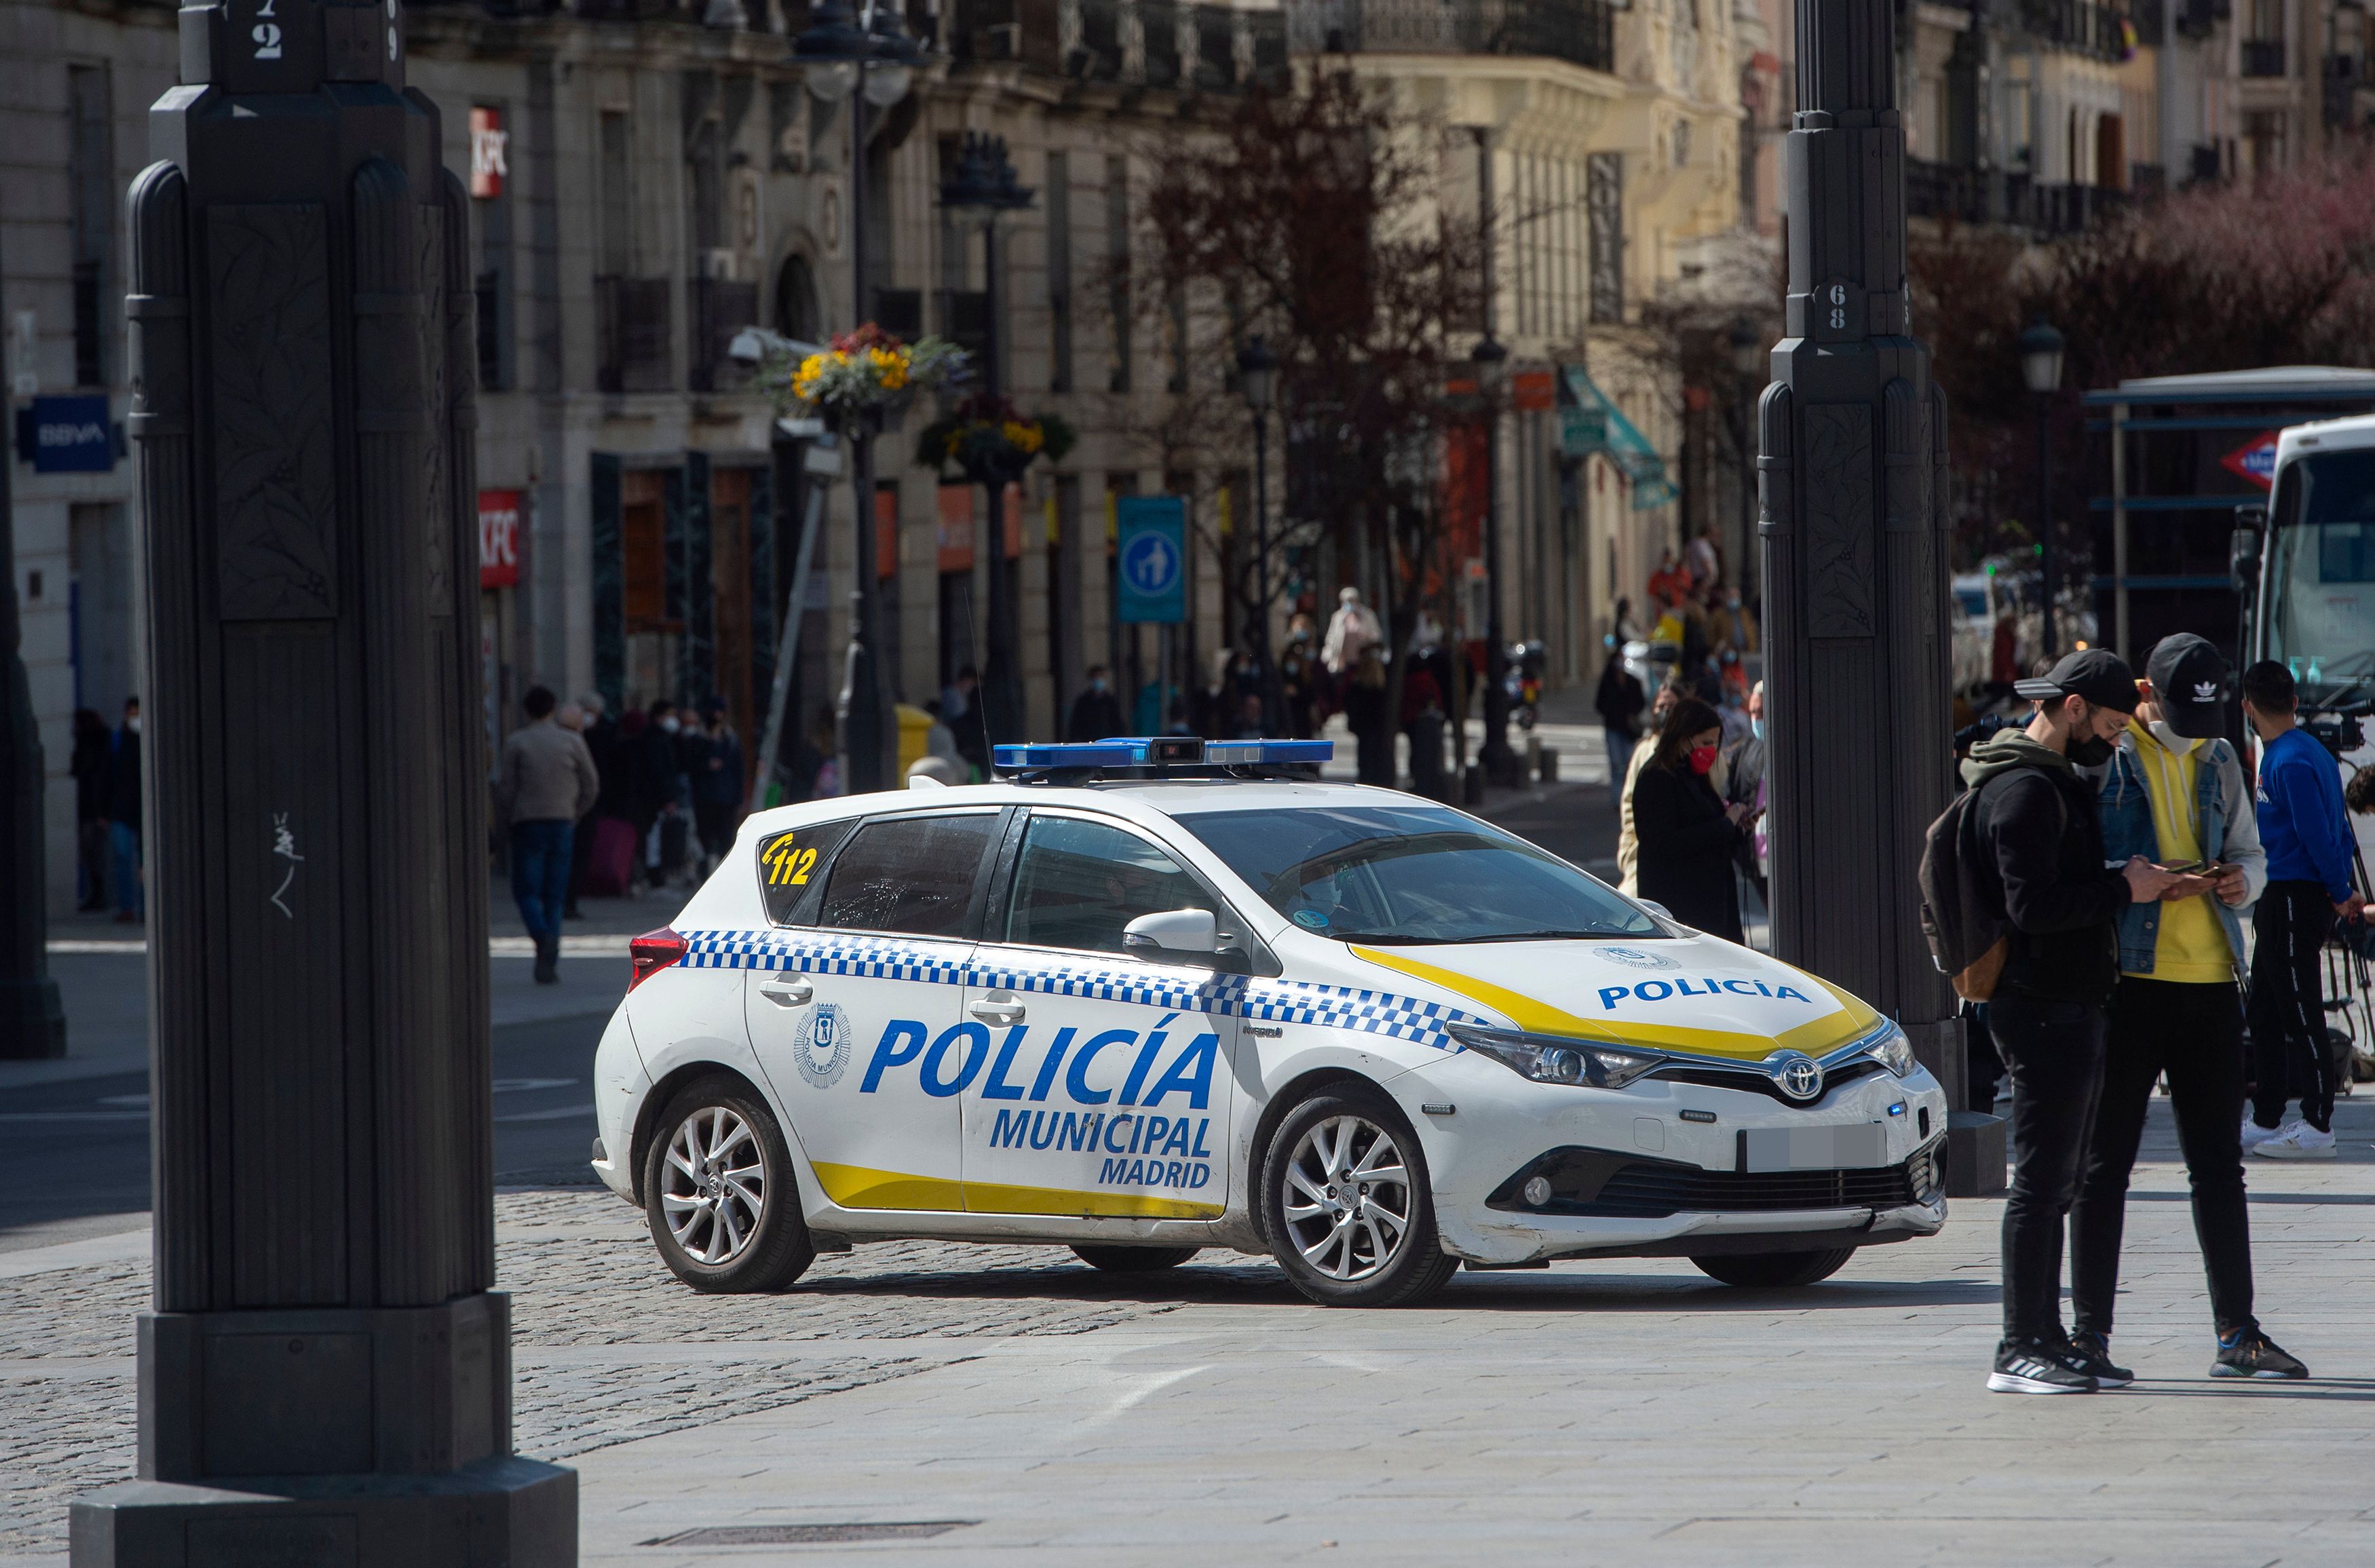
x=489, y=142
x=499, y=523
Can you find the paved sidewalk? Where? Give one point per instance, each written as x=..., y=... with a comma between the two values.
x=1615, y=1412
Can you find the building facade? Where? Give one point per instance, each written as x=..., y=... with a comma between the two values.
x=648, y=178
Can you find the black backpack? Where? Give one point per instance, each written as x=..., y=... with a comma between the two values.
x=1962, y=903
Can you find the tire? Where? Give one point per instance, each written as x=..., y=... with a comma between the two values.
x=1773, y=1270
x=732, y=1225
x=1134, y=1260
x=1383, y=1250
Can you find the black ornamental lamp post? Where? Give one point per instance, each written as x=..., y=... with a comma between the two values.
x=1499, y=762
x=1851, y=466
x=984, y=186
x=1257, y=382
x=325, y=1374
x=2040, y=367
x=868, y=59
x=1748, y=349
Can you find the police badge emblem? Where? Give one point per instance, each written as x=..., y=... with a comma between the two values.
x=824, y=1047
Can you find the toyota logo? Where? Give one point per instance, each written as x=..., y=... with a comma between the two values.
x=1799, y=1076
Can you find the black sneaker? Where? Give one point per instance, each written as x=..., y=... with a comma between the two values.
x=2091, y=1353
x=2034, y=1366
x=2249, y=1353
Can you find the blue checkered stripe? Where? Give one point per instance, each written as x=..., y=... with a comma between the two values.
x=1222, y=996
x=868, y=958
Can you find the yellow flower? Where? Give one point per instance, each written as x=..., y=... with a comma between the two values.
x=1023, y=437
x=804, y=380
x=889, y=368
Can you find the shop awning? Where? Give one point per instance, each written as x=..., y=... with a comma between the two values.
x=1590, y=422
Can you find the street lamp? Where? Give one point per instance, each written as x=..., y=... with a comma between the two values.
x=2040, y=366
x=1257, y=381
x=1748, y=359
x=1491, y=362
x=866, y=58
x=984, y=186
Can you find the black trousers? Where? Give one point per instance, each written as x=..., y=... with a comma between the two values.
x=2289, y=1053
x=2053, y=1052
x=2195, y=1034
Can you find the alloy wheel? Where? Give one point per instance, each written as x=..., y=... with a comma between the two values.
x=716, y=1186
x=1347, y=1199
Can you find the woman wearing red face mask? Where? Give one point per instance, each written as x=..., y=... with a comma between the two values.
x=1688, y=836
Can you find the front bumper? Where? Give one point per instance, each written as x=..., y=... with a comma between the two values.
x=1676, y=1146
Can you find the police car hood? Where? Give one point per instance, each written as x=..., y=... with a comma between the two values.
x=1695, y=994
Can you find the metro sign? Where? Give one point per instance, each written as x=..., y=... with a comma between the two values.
x=490, y=147
x=2255, y=460
x=498, y=519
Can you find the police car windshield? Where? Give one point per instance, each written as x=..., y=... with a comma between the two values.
x=1412, y=874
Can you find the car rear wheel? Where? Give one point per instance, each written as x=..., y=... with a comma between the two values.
x=1346, y=1204
x=718, y=1191
x=1773, y=1269
x=1134, y=1260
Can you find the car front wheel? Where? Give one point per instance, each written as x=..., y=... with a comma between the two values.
x=1773, y=1269
x=1346, y=1204
x=718, y=1191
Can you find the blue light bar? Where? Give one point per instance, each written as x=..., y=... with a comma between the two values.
x=1242, y=753
x=1141, y=751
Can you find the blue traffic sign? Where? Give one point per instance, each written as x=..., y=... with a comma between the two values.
x=1152, y=557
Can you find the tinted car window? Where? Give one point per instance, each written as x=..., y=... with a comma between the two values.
x=1078, y=884
x=911, y=874
x=1412, y=874
x=791, y=870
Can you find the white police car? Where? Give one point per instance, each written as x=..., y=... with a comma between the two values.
x=1142, y=997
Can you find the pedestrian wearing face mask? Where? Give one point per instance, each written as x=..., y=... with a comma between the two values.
x=1096, y=711
x=1744, y=763
x=1687, y=835
x=2038, y=863
x=2174, y=794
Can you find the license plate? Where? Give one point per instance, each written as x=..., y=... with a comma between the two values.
x=1862, y=1146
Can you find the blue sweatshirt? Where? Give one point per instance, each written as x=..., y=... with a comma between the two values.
x=2301, y=821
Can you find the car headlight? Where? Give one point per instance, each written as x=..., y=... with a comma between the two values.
x=1548, y=1059
x=1893, y=1051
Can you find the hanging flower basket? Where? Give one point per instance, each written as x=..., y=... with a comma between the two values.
x=868, y=369
x=990, y=443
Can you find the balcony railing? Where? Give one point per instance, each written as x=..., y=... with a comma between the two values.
x=1161, y=44
x=1945, y=192
x=2079, y=25
x=2263, y=56
x=1581, y=33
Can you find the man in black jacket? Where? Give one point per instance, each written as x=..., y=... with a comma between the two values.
x=2042, y=849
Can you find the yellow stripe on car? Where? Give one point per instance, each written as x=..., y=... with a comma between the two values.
x=1540, y=1018
x=855, y=1186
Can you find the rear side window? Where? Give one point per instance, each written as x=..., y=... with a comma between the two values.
x=911, y=874
x=791, y=870
x=1078, y=884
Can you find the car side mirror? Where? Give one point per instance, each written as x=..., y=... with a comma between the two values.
x=2243, y=548
x=1654, y=907
x=1173, y=931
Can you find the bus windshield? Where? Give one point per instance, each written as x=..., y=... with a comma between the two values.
x=2321, y=570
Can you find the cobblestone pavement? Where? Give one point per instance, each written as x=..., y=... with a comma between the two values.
x=607, y=1347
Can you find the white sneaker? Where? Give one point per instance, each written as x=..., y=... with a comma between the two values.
x=2296, y=1140
x=2254, y=1134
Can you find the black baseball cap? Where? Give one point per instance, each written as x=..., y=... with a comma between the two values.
x=2191, y=681
x=2098, y=675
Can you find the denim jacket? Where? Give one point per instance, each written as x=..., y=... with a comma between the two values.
x=2230, y=832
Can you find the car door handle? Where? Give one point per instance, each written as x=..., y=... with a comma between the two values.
x=787, y=990
x=992, y=1011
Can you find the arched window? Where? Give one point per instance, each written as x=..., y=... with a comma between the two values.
x=796, y=300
